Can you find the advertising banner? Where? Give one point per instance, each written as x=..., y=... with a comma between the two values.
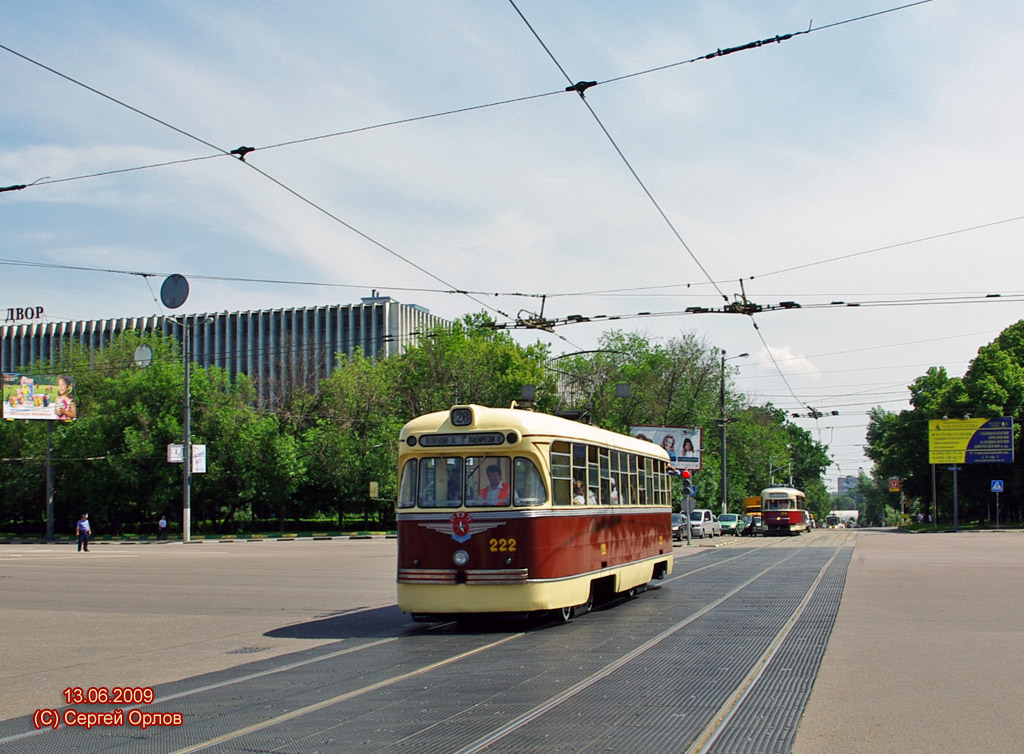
x=39, y=396
x=970, y=440
x=682, y=443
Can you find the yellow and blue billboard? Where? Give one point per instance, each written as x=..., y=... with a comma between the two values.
x=970, y=440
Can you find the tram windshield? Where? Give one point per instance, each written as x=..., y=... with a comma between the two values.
x=471, y=481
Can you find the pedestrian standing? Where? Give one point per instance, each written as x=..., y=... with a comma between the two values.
x=84, y=531
x=162, y=528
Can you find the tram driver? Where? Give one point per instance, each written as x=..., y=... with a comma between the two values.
x=498, y=491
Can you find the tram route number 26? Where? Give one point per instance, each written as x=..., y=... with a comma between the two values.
x=503, y=545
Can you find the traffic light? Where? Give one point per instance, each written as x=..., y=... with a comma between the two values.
x=687, y=484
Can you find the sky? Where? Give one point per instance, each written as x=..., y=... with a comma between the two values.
x=420, y=148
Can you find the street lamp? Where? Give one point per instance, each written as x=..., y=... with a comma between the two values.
x=186, y=447
x=721, y=395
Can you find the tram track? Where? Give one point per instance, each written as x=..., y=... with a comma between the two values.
x=610, y=668
x=333, y=711
x=711, y=733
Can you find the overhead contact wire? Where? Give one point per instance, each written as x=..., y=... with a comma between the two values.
x=240, y=153
x=579, y=88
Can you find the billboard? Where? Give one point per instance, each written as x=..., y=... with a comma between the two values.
x=682, y=443
x=970, y=440
x=39, y=396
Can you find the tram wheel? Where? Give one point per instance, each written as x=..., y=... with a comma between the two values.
x=564, y=614
x=586, y=607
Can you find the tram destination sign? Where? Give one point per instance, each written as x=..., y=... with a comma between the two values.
x=462, y=438
x=971, y=440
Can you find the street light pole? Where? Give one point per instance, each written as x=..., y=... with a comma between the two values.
x=725, y=475
x=186, y=447
x=186, y=423
x=721, y=398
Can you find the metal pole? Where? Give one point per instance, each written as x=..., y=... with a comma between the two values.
x=49, y=482
x=725, y=476
x=935, y=501
x=186, y=447
x=956, y=513
x=688, y=505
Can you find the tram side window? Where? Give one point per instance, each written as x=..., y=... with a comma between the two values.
x=580, y=472
x=407, y=488
x=634, y=481
x=649, y=481
x=604, y=457
x=619, y=482
x=529, y=483
x=561, y=473
x=593, y=477
x=440, y=483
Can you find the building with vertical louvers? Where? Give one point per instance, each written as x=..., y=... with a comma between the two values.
x=277, y=348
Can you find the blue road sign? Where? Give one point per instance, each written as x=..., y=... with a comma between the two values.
x=997, y=485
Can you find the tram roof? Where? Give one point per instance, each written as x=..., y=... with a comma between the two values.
x=530, y=424
x=784, y=489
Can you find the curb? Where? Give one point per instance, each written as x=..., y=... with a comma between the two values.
x=200, y=540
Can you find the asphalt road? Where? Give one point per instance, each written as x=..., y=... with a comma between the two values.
x=922, y=656
x=925, y=655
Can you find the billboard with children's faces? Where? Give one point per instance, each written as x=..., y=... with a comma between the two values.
x=681, y=443
x=48, y=397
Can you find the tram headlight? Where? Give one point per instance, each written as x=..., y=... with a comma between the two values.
x=460, y=558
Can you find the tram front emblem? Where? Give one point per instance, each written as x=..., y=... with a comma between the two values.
x=462, y=526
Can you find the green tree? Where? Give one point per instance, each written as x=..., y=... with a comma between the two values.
x=469, y=363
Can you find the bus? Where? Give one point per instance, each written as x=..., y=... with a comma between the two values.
x=511, y=512
x=784, y=511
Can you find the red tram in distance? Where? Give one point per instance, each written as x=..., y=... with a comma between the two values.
x=512, y=512
x=783, y=511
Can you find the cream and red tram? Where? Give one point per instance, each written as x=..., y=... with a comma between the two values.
x=512, y=512
x=784, y=511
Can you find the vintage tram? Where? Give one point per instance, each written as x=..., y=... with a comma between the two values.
x=513, y=512
x=784, y=511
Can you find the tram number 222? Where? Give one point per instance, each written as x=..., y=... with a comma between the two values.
x=503, y=545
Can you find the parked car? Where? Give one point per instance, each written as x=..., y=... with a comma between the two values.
x=704, y=524
x=732, y=523
x=678, y=527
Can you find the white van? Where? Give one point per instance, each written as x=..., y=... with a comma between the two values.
x=703, y=523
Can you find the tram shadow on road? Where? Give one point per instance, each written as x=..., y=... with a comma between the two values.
x=538, y=621
x=389, y=620
x=346, y=625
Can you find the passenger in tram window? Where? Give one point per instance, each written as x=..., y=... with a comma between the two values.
x=615, y=493
x=498, y=491
x=578, y=497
